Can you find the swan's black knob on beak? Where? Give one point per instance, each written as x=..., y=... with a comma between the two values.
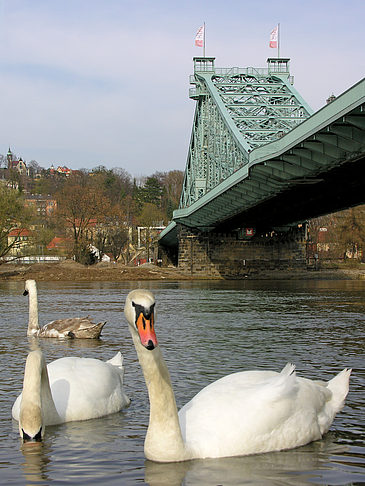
x=150, y=345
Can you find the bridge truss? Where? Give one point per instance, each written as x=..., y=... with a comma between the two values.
x=237, y=111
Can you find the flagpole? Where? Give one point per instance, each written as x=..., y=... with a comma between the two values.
x=204, y=42
x=278, y=40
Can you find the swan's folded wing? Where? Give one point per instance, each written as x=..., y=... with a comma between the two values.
x=240, y=413
x=73, y=327
x=65, y=325
x=85, y=388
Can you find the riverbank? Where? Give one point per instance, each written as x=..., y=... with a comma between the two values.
x=69, y=270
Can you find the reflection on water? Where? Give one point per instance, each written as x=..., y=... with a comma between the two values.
x=67, y=343
x=36, y=460
x=207, y=330
x=270, y=468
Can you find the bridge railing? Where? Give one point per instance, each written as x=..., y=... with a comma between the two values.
x=237, y=70
x=234, y=71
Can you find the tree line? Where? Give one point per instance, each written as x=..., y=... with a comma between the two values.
x=98, y=207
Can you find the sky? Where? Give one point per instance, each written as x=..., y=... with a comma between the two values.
x=105, y=82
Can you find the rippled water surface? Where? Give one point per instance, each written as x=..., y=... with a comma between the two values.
x=207, y=330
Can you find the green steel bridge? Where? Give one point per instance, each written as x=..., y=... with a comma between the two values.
x=259, y=157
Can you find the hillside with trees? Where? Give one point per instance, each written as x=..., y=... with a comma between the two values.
x=104, y=209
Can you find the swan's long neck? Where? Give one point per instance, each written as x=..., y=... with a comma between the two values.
x=37, y=406
x=33, y=324
x=164, y=442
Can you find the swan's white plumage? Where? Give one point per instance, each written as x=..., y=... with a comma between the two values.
x=262, y=410
x=81, y=388
x=243, y=413
x=72, y=327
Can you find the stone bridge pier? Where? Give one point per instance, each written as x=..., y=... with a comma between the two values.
x=237, y=256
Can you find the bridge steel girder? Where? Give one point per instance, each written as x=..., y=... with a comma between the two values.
x=236, y=111
x=355, y=121
x=307, y=158
x=316, y=168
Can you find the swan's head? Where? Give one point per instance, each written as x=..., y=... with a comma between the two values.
x=140, y=313
x=31, y=427
x=30, y=286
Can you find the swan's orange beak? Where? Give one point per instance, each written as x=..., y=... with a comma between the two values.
x=146, y=331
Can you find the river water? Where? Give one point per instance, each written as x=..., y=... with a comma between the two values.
x=207, y=330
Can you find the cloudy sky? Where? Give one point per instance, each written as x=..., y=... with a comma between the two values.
x=90, y=82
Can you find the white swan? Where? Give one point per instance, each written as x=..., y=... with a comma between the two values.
x=66, y=390
x=243, y=413
x=74, y=327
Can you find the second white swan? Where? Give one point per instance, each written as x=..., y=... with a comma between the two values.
x=66, y=390
x=243, y=413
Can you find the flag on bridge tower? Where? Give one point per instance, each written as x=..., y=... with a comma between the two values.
x=274, y=37
x=199, y=39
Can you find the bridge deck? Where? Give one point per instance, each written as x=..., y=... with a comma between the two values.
x=308, y=168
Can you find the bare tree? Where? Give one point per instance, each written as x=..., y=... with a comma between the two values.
x=150, y=216
x=118, y=240
x=80, y=208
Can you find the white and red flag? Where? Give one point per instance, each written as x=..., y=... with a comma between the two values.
x=199, y=39
x=274, y=37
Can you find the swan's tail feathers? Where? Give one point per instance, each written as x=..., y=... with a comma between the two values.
x=88, y=329
x=289, y=369
x=101, y=325
x=339, y=386
x=281, y=385
x=117, y=361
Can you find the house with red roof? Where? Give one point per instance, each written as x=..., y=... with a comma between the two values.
x=62, y=170
x=59, y=245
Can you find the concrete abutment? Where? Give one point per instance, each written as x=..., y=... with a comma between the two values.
x=226, y=255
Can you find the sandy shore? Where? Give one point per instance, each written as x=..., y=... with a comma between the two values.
x=72, y=271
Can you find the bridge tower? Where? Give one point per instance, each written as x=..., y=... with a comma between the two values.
x=237, y=110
